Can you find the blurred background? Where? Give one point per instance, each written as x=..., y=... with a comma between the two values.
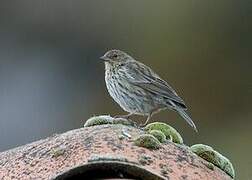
x=51, y=79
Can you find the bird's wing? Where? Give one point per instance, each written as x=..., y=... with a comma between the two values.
x=145, y=78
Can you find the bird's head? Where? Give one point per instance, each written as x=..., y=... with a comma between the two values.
x=116, y=57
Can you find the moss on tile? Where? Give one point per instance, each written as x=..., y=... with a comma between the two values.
x=106, y=119
x=209, y=154
x=168, y=131
x=148, y=141
x=159, y=135
x=98, y=120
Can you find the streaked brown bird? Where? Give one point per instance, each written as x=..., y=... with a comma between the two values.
x=138, y=89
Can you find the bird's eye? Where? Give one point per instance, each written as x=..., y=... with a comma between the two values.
x=115, y=56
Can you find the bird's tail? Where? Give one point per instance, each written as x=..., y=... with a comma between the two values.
x=187, y=118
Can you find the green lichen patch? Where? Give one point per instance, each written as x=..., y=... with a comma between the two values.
x=148, y=141
x=98, y=120
x=159, y=135
x=209, y=165
x=167, y=130
x=105, y=119
x=58, y=151
x=210, y=155
x=107, y=157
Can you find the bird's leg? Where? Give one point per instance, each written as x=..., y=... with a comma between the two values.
x=127, y=116
x=147, y=120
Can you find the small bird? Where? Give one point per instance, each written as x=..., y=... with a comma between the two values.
x=138, y=89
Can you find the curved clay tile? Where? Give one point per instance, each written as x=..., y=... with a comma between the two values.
x=103, y=151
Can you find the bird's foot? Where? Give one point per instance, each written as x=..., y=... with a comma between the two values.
x=141, y=126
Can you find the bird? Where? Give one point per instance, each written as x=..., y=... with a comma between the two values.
x=138, y=89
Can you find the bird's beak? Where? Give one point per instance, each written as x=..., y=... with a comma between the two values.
x=104, y=58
